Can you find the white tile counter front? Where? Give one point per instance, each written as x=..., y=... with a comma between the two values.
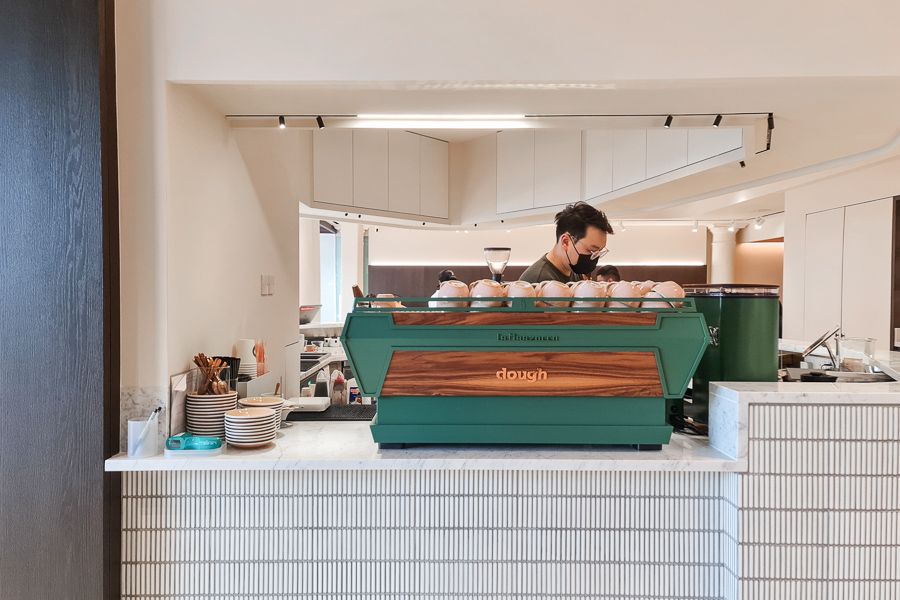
x=797, y=495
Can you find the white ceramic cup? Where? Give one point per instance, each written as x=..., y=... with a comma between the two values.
x=453, y=289
x=553, y=289
x=147, y=447
x=485, y=288
x=588, y=289
x=620, y=291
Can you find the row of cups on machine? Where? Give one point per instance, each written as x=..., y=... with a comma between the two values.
x=584, y=294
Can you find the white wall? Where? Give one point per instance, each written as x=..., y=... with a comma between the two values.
x=142, y=199
x=639, y=244
x=881, y=180
x=221, y=237
x=760, y=262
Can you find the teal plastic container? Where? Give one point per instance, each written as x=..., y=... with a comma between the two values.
x=743, y=327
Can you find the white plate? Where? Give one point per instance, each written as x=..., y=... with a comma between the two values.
x=232, y=432
x=248, y=431
x=250, y=438
x=251, y=445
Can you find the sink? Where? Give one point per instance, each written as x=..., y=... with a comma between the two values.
x=794, y=374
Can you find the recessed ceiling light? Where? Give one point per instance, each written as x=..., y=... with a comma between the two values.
x=440, y=117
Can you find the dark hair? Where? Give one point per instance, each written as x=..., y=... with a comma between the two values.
x=447, y=275
x=609, y=272
x=574, y=219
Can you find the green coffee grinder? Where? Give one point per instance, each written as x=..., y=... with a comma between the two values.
x=743, y=327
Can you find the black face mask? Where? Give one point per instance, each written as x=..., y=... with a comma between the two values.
x=585, y=265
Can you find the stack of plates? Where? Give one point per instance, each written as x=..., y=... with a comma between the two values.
x=272, y=402
x=206, y=414
x=250, y=427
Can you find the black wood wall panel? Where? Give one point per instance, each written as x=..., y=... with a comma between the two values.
x=51, y=296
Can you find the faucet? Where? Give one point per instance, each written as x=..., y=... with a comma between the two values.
x=821, y=342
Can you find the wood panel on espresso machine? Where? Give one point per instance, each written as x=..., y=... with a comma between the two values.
x=523, y=373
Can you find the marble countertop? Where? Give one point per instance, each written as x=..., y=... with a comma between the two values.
x=348, y=445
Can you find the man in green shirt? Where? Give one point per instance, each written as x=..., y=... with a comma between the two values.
x=581, y=232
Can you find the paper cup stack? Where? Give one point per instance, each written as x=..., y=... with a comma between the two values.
x=250, y=427
x=206, y=414
x=273, y=402
x=244, y=350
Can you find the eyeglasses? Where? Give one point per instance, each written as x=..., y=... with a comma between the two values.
x=594, y=254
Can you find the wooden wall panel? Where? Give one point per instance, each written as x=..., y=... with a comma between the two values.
x=417, y=281
x=55, y=327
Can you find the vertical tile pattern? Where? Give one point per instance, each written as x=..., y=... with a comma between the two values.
x=820, y=505
x=433, y=534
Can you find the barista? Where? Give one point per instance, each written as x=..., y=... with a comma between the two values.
x=581, y=232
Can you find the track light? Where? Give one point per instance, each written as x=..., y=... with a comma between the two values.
x=743, y=165
x=771, y=121
x=668, y=122
x=695, y=227
x=281, y=124
x=717, y=121
x=759, y=222
x=731, y=227
x=622, y=225
x=320, y=122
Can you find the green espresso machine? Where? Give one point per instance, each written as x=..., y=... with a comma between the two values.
x=743, y=327
x=522, y=372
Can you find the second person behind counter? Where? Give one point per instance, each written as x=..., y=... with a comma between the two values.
x=608, y=273
x=581, y=232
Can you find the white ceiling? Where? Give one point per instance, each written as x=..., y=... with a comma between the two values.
x=827, y=70
x=819, y=123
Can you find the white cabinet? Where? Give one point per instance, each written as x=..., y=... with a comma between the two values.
x=333, y=166
x=370, y=169
x=629, y=157
x=403, y=172
x=515, y=170
x=598, y=163
x=557, y=167
x=435, y=177
x=667, y=150
x=866, y=281
x=706, y=143
x=847, y=271
x=822, y=272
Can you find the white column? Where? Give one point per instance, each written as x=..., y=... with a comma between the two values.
x=351, y=264
x=722, y=255
x=310, y=276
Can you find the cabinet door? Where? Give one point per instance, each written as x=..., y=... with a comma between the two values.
x=557, y=167
x=629, y=157
x=370, y=169
x=866, y=287
x=333, y=166
x=403, y=172
x=435, y=184
x=515, y=171
x=598, y=161
x=822, y=272
x=667, y=150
